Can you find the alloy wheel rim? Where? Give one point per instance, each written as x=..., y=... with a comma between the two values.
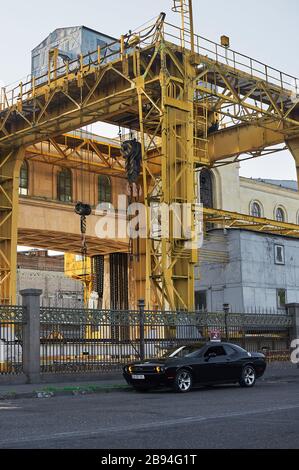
x=249, y=376
x=184, y=381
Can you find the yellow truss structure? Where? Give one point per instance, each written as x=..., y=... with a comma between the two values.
x=235, y=220
x=168, y=91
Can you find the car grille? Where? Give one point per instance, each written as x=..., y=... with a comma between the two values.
x=144, y=369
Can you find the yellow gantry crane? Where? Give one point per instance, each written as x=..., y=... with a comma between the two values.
x=194, y=103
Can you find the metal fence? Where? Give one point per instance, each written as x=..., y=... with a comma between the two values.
x=90, y=340
x=11, y=340
x=81, y=340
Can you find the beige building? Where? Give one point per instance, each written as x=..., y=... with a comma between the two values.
x=272, y=199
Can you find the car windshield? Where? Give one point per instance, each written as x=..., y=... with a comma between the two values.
x=239, y=349
x=183, y=351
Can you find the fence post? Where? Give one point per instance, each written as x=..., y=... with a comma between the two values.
x=293, y=310
x=31, y=334
x=226, y=309
x=141, y=306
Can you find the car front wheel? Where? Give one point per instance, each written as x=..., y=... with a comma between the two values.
x=183, y=381
x=248, y=377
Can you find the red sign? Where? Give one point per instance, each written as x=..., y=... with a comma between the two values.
x=215, y=335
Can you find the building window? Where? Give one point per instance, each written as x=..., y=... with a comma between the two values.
x=64, y=185
x=24, y=180
x=206, y=189
x=279, y=254
x=281, y=298
x=280, y=215
x=201, y=301
x=104, y=189
x=256, y=209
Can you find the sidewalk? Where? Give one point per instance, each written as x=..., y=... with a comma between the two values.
x=276, y=372
x=63, y=389
x=281, y=371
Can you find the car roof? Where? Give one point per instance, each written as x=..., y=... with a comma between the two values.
x=201, y=344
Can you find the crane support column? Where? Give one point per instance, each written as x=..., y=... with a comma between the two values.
x=293, y=146
x=170, y=254
x=10, y=165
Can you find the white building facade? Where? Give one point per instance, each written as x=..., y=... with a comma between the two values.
x=254, y=272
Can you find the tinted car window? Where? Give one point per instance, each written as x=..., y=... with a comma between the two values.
x=195, y=353
x=186, y=351
x=239, y=349
x=229, y=350
x=183, y=351
x=218, y=350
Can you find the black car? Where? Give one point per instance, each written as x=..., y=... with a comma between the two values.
x=202, y=364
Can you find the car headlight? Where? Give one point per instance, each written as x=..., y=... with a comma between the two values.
x=129, y=369
x=160, y=369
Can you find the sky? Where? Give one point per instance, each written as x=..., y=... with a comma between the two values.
x=265, y=30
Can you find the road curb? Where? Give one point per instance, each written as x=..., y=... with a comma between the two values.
x=52, y=392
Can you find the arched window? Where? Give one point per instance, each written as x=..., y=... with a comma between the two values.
x=206, y=189
x=104, y=189
x=24, y=180
x=280, y=215
x=64, y=185
x=256, y=209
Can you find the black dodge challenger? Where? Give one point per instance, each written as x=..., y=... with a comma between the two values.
x=201, y=364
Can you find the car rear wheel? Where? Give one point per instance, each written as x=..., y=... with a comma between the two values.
x=248, y=377
x=183, y=381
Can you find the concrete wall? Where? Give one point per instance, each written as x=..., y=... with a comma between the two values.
x=58, y=290
x=249, y=281
x=222, y=280
x=261, y=277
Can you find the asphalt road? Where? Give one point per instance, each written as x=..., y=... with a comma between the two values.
x=220, y=418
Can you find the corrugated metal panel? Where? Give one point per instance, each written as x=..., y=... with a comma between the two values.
x=71, y=43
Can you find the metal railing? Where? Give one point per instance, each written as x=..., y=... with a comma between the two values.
x=236, y=60
x=89, y=340
x=26, y=89
x=11, y=340
x=82, y=341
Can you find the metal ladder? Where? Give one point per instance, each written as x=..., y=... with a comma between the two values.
x=201, y=116
x=184, y=7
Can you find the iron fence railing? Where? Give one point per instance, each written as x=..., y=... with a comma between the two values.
x=91, y=340
x=235, y=60
x=11, y=340
x=81, y=340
